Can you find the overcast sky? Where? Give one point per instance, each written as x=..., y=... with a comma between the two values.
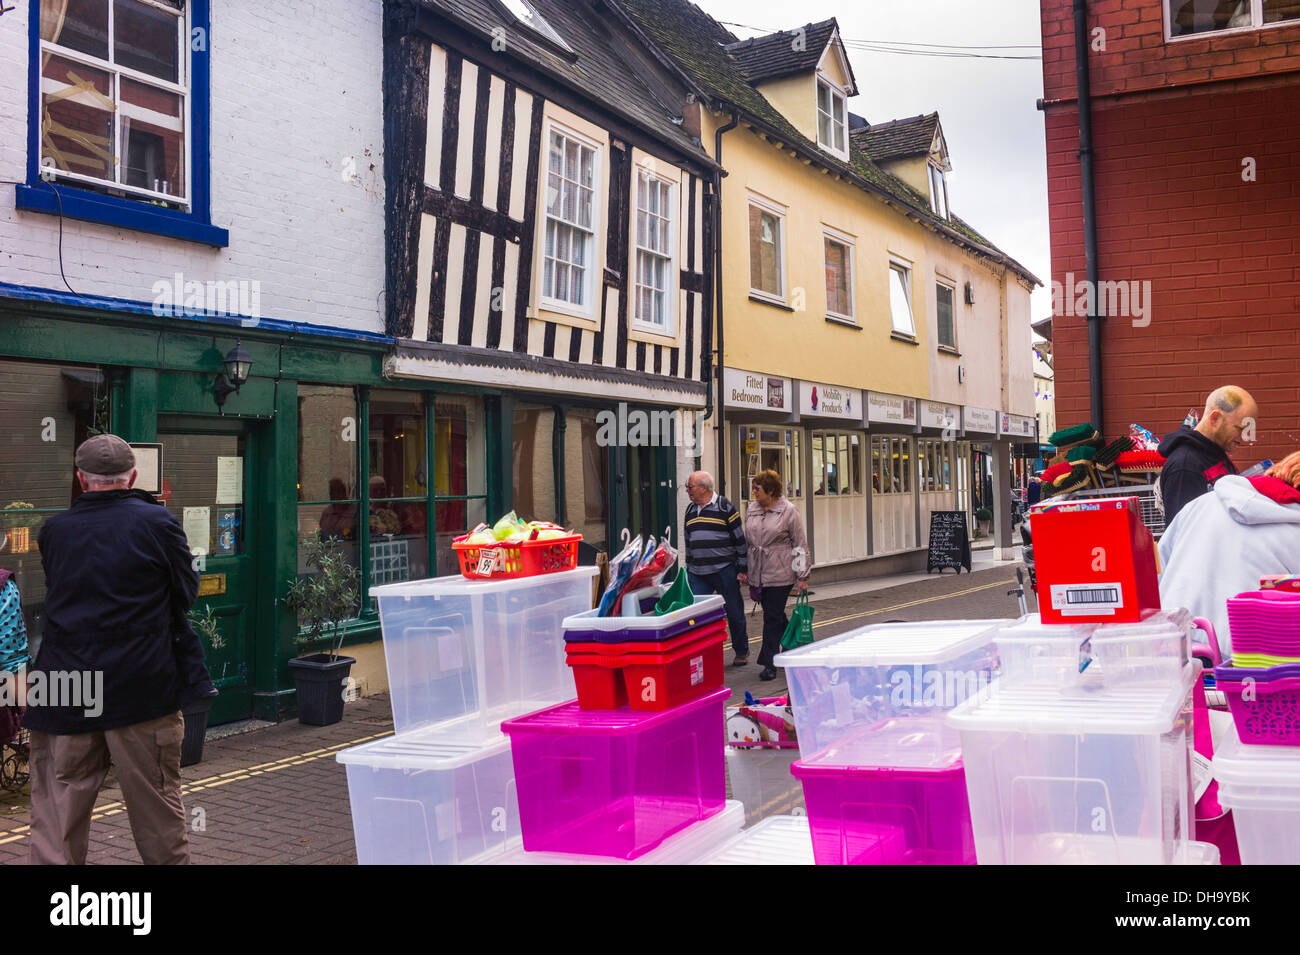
x=986, y=106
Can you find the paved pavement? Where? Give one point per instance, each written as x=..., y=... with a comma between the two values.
x=275, y=794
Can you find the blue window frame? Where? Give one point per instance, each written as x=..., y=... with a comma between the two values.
x=163, y=186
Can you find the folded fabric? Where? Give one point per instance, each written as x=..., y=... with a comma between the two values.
x=1082, y=452
x=1140, y=461
x=1064, y=437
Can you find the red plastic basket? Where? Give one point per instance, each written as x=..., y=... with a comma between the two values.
x=527, y=559
x=646, y=676
x=1272, y=718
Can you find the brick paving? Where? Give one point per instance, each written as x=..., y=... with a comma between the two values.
x=276, y=794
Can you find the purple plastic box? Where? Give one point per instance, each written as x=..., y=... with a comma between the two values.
x=574, y=632
x=617, y=782
x=884, y=815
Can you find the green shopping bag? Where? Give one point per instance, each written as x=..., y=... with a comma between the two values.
x=799, y=630
x=678, y=596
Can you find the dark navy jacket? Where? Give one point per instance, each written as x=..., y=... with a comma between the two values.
x=1192, y=464
x=119, y=583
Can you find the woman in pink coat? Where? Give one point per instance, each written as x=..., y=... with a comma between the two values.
x=779, y=560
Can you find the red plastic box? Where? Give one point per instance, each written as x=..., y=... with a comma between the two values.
x=1096, y=561
x=647, y=675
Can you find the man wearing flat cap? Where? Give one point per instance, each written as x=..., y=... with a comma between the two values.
x=119, y=584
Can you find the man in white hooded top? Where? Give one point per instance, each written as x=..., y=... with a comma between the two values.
x=1221, y=543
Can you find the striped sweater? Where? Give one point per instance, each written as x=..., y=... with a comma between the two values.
x=715, y=537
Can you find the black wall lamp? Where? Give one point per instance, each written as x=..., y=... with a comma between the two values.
x=234, y=372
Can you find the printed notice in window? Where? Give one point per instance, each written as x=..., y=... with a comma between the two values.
x=230, y=480
x=197, y=524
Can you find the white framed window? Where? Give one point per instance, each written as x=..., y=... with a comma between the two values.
x=527, y=14
x=115, y=98
x=945, y=297
x=1187, y=18
x=900, y=299
x=938, y=192
x=837, y=464
x=832, y=133
x=654, y=289
x=839, y=248
x=569, y=254
x=766, y=249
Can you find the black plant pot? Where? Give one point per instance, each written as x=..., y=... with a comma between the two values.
x=319, y=680
x=196, y=726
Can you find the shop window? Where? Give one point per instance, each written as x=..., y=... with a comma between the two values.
x=329, y=499
x=48, y=410
x=891, y=464
x=398, y=487
x=460, y=473
x=836, y=466
x=534, y=463
x=769, y=449
x=586, y=478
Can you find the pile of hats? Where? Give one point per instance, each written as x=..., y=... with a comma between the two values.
x=1084, y=459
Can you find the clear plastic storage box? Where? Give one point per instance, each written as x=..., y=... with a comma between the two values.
x=1087, y=773
x=1261, y=785
x=1156, y=648
x=1031, y=651
x=428, y=798
x=777, y=840
x=760, y=778
x=478, y=651
x=874, y=694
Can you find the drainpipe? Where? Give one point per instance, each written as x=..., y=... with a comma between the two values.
x=721, y=441
x=1089, y=207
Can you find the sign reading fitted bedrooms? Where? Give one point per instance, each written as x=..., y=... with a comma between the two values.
x=747, y=389
x=890, y=409
x=980, y=419
x=829, y=401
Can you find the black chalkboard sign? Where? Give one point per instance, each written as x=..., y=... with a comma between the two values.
x=949, y=542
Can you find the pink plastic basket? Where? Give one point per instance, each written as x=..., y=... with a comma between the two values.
x=616, y=782
x=883, y=815
x=1272, y=716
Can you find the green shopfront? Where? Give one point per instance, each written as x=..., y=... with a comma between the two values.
x=317, y=443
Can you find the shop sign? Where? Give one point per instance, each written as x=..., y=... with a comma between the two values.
x=747, y=389
x=829, y=401
x=1016, y=425
x=936, y=414
x=980, y=419
x=890, y=409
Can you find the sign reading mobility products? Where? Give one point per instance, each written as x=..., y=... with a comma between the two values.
x=829, y=401
x=980, y=420
x=890, y=409
x=748, y=389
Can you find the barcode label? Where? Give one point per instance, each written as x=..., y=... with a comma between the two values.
x=1079, y=599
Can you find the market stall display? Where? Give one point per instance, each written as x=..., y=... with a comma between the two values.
x=649, y=675
x=516, y=548
x=1261, y=785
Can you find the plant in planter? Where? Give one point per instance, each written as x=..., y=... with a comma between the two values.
x=196, y=712
x=323, y=602
x=985, y=517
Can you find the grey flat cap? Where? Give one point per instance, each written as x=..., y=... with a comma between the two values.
x=105, y=454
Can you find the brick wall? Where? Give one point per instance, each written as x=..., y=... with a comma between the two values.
x=1222, y=256
x=296, y=92
x=1137, y=56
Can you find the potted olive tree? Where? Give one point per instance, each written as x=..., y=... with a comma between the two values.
x=323, y=602
x=196, y=712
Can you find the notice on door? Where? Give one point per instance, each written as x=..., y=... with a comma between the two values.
x=197, y=522
x=230, y=480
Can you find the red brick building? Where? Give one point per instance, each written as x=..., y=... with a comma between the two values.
x=1195, y=108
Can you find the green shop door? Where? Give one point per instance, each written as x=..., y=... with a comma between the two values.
x=209, y=483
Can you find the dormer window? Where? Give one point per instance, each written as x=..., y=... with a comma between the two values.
x=831, y=127
x=527, y=14
x=938, y=191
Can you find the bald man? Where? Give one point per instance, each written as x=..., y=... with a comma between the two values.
x=1197, y=457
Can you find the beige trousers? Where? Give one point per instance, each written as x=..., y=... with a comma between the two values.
x=67, y=772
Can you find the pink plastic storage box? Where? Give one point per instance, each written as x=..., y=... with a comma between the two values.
x=885, y=815
x=616, y=782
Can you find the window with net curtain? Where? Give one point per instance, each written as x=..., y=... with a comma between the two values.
x=839, y=277
x=115, y=96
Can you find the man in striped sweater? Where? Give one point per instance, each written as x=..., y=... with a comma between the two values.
x=716, y=553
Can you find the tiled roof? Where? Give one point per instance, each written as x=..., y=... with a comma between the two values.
x=698, y=44
x=781, y=54
x=600, y=69
x=899, y=138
